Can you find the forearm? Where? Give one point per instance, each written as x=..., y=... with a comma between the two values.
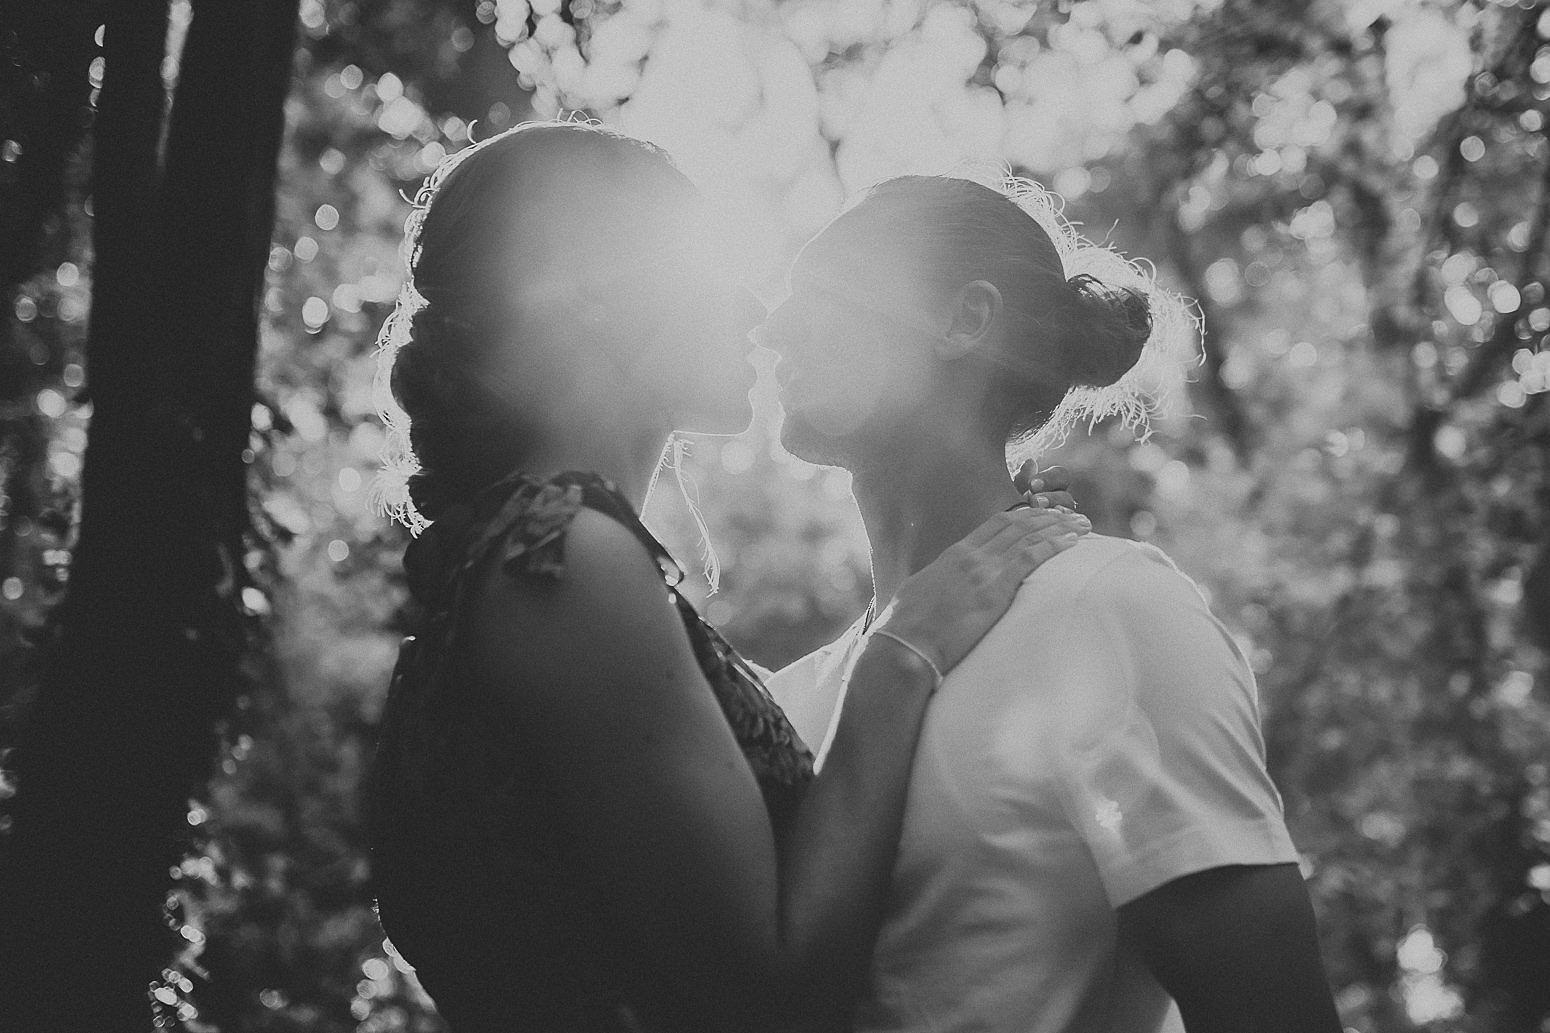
x=837, y=858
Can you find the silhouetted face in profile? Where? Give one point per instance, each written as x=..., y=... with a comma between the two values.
x=856, y=340
x=594, y=270
x=939, y=310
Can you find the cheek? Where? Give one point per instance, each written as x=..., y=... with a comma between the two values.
x=846, y=386
x=709, y=370
x=880, y=364
x=695, y=341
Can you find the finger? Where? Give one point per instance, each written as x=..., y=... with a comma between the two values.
x=1027, y=475
x=1068, y=523
x=1035, y=553
x=998, y=524
x=1006, y=527
x=1052, y=500
x=1023, y=524
x=1003, y=530
x=1048, y=548
x=1055, y=478
x=1037, y=523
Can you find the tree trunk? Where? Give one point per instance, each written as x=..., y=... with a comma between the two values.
x=147, y=647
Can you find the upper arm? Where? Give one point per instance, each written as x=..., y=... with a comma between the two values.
x=597, y=676
x=1237, y=949
x=1163, y=770
x=1167, y=782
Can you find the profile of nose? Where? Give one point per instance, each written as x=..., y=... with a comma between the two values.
x=750, y=309
x=749, y=314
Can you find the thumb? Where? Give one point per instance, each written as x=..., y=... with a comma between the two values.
x=1023, y=479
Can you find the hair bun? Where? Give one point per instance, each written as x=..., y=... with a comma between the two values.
x=1116, y=323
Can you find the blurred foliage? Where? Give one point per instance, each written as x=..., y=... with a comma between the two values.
x=1358, y=195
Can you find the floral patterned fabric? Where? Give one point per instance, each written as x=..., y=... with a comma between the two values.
x=474, y=877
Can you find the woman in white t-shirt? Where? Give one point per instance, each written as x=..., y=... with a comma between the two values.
x=1091, y=841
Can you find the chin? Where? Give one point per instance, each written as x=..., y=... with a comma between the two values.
x=808, y=444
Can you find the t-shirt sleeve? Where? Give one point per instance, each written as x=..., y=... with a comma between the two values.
x=1163, y=764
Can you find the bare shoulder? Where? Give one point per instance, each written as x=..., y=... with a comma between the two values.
x=605, y=566
x=606, y=616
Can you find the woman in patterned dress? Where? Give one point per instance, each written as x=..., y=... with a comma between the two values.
x=587, y=814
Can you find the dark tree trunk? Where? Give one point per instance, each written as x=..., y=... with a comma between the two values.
x=150, y=637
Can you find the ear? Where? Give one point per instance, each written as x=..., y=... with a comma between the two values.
x=976, y=312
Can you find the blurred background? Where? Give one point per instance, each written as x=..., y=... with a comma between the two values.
x=1357, y=193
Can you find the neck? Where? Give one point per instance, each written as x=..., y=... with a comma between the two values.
x=917, y=502
x=585, y=418
x=628, y=461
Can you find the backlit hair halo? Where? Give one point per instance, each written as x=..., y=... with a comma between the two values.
x=1173, y=344
x=1134, y=398
x=390, y=489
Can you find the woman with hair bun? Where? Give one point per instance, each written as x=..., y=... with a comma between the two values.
x=1091, y=841
x=587, y=814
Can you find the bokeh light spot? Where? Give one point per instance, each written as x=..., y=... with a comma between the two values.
x=51, y=403
x=1504, y=297
x=1451, y=442
x=1462, y=305
x=66, y=465
x=254, y=600
x=314, y=312
x=1303, y=355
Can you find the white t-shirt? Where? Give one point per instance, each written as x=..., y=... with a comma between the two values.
x=1101, y=740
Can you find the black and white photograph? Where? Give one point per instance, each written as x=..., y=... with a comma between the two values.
x=774, y=516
